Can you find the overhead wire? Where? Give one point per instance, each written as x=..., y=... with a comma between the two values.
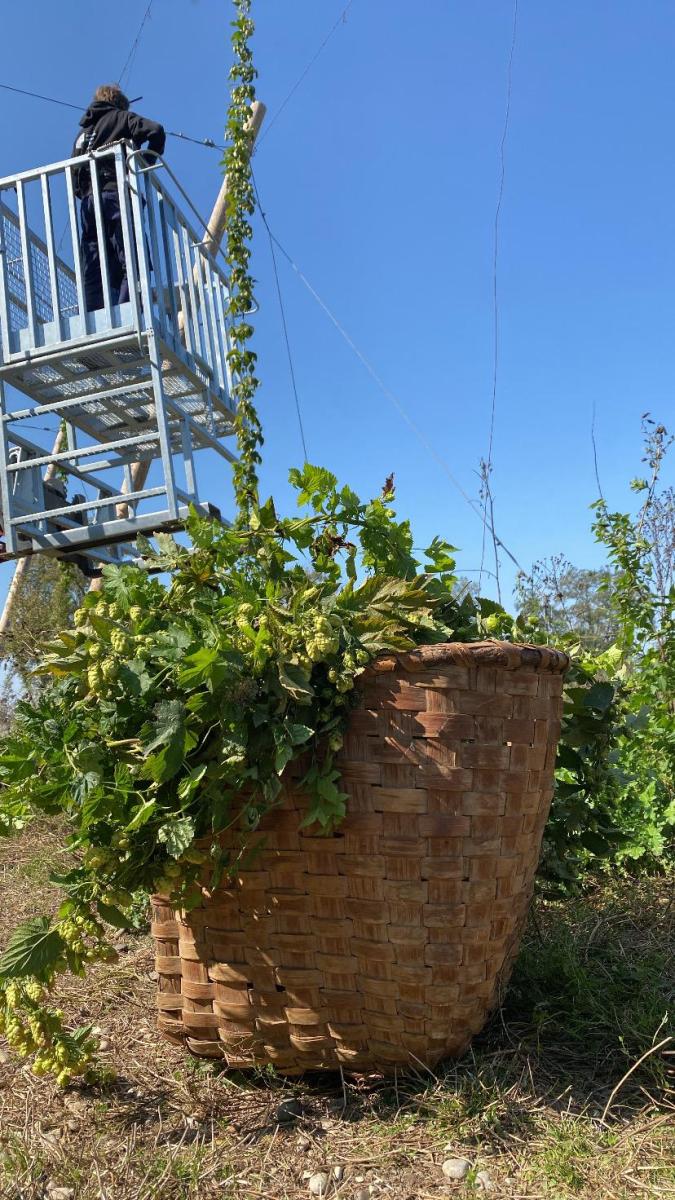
x=283, y=319
x=387, y=392
x=126, y=69
x=340, y=21
x=8, y=87
x=486, y=467
x=208, y=142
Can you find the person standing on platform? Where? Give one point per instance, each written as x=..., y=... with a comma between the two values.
x=107, y=121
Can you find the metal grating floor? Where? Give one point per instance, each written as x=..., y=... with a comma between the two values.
x=115, y=386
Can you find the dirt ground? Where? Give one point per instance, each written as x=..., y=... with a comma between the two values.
x=549, y=1103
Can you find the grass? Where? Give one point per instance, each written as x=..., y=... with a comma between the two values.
x=546, y=1101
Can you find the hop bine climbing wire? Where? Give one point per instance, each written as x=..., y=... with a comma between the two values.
x=126, y=69
x=487, y=464
x=284, y=323
x=341, y=20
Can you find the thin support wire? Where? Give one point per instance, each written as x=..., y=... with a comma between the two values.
x=126, y=69
x=340, y=21
x=184, y=137
x=595, y=455
x=393, y=399
x=283, y=318
x=488, y=500
x=7, y=87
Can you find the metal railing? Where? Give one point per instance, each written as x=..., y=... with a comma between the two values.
x=10, y=240
x=175, y=282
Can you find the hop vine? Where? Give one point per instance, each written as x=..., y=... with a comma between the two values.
x=240, y=208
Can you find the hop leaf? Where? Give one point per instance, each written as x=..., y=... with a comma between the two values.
x=33, y=949
x=177, y=835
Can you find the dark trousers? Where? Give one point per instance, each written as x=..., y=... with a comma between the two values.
x=114, y=250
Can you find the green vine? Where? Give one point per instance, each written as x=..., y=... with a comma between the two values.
x=240, y=208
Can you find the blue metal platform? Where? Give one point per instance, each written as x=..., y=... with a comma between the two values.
x=136, y=385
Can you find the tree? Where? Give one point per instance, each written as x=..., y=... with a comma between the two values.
x=50, y=592
x=564, y=598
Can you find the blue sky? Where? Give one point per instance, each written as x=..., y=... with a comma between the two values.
x=380, y=177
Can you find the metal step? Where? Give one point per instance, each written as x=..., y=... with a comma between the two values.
x=111, y=533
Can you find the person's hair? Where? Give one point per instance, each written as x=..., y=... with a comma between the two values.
x=110, y=93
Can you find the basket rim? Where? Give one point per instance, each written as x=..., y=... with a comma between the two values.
x=509, y=656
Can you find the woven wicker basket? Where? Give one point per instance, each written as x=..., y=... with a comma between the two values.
x=387, y=943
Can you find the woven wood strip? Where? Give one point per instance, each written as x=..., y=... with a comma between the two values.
x=388, y=942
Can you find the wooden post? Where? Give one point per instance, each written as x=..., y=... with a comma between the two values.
x=214, y=236
x=216, y=226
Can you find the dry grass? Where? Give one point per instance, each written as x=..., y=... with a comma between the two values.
x=590, y=996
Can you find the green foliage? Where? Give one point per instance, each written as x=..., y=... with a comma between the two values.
x=615, y=790
x=31, y=950
x=585, y=827
x=50, y=592
x=561, y=598
x=641, y=550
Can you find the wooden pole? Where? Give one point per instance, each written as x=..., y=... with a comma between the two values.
x=216, y=225
x=214, y=236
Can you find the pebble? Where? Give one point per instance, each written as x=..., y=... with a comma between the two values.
x=59, y=1193
x=484, y=1181
x=289, y=1110
x=304, y=1145
x=456, y=1168
x=104, y=1044
x=319, y=1183
x=338, y=1174
x=363, y=1194
x=4, y=1056
x=75, y=1104
x=72, y=1125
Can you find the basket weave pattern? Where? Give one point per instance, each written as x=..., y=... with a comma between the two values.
x=389, y=941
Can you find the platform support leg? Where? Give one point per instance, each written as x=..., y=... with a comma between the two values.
x=162, y=426
x=189, y=464
x=5, y=491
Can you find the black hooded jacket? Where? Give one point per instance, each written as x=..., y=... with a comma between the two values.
x=104, y=124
